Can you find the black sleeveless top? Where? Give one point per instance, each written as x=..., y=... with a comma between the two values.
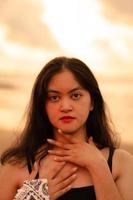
x=82, y=193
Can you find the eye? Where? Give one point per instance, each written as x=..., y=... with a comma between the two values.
x=76, y=96
x=54, y=98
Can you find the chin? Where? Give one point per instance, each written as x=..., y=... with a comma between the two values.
x=69, y=131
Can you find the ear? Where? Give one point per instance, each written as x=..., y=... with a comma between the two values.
x=92, y=105
x=91, y=108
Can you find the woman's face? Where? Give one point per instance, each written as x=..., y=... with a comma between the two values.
x=68, y=103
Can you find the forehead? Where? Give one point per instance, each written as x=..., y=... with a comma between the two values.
x=63, y=80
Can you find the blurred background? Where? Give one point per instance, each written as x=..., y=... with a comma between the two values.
x=99, y=32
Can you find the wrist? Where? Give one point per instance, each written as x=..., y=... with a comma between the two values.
x=97, y=165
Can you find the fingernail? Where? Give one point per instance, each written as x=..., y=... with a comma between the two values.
x=74, y=175
x=35, y=165
x=63, y=162
x=59, y=130
x=70, y=186
x=49, y=140
x=75, y=169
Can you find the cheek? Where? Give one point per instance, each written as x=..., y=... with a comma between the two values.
x=52, y=112
x=84, y=110
x=84, y=114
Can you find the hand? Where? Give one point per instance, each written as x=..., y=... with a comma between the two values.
x=61, y=184
x=58, y=182
x=80, y=153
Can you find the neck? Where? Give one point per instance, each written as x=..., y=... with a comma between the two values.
x=80, y=135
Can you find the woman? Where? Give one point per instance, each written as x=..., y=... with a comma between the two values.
x=67, y=123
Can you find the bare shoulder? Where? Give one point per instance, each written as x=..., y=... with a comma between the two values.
x=15, y=173
x=123, y=156
x=122, y=162
x=123, y=169
x=11, y=178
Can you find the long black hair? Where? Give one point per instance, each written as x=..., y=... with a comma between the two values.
x=33, y=140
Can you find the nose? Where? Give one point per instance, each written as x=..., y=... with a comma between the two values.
x=65, y=105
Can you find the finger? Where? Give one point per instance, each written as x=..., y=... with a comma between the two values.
x=59, y=193
x=57, y=169
x=56, y=143
x=59, y=144
x=53, y=172
x=68, y=175
x=59, y=152
x=64, y=159
x=65, y=186
x=67, y=182
x=34, y=171
x=90, y=141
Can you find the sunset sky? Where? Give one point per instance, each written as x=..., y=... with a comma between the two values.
x=99, y=32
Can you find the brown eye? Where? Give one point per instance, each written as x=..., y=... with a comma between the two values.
x=76, y=96
x=54, y=98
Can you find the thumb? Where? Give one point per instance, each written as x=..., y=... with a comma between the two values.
x=34, y=171
x=90, y=140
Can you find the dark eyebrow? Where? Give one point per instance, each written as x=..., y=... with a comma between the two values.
x=74, y=89
x=51, y=90
x=58, y=92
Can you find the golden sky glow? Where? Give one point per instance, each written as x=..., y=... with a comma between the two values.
x=100, y=32
x=80, y=28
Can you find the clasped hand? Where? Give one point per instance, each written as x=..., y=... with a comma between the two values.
x=84, y=154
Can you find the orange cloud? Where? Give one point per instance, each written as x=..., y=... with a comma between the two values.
x=23, y=23
x=116, y=53
x=118, y=11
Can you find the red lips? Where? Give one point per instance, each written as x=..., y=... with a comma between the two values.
x=67, y=118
